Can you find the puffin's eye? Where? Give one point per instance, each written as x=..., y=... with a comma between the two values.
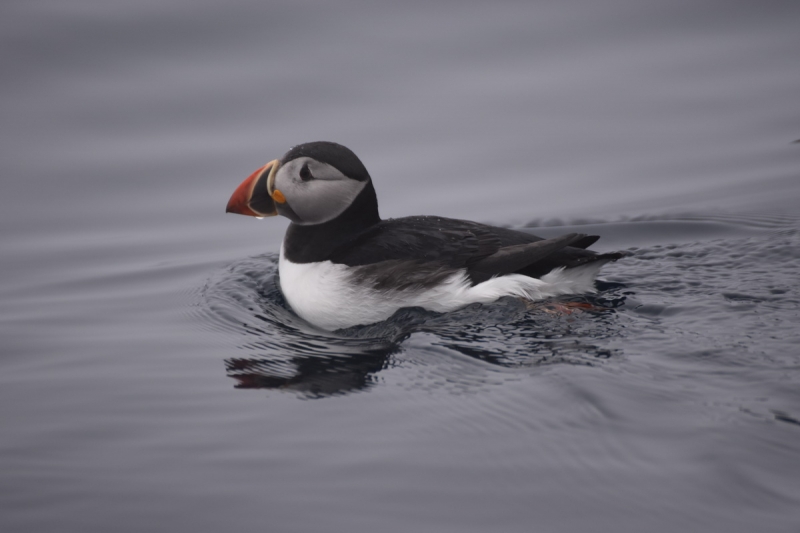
x=305, y=173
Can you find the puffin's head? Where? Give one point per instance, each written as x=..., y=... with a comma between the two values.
x=311, y=184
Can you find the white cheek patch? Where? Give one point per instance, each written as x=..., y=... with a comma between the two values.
x=320, y=199
x=327, y=200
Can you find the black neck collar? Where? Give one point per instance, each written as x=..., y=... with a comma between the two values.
x=311, y=244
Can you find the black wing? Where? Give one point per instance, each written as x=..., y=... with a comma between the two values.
x=454, y=243
x=409, y=250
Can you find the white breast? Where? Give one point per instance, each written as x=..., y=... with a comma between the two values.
x=327, y=294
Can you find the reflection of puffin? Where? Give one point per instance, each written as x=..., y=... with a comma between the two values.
x=341, y=265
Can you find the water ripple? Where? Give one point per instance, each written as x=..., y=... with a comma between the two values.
x=281, y=351
x=700, y=299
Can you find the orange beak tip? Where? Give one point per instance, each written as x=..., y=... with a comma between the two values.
x=252, y=194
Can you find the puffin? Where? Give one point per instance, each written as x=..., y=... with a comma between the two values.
x=342, y=265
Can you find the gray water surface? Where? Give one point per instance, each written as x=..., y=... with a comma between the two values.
x=153, y=379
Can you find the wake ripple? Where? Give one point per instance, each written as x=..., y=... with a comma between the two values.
x=731, y=292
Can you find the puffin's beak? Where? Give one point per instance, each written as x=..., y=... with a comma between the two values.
x=253, y=196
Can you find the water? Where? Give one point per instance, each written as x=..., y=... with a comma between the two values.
x=152, y=378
